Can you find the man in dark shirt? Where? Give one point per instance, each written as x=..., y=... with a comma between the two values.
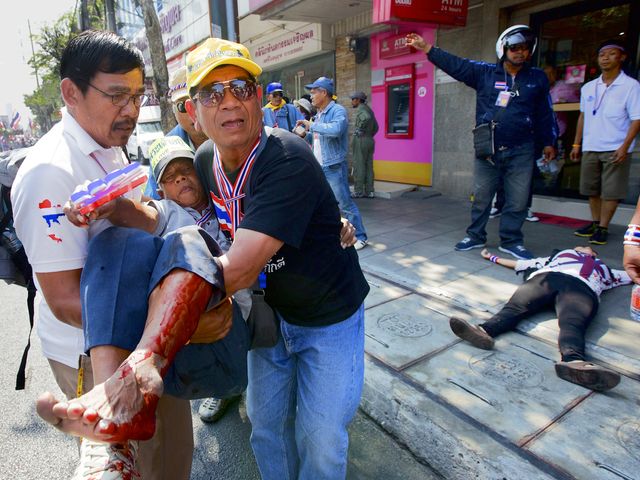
x=516, y=97
x=273, y=200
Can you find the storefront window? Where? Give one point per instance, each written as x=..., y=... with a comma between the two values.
x=295, y=77
x=569, y=38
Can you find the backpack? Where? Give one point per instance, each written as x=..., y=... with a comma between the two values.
x=14, y=265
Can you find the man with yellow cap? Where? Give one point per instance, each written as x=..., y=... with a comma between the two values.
x=273, y=201
x=285, y=225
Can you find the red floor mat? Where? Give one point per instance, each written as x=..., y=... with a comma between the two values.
x=567, y=222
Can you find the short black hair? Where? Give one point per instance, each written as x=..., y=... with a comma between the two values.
x=95, y=51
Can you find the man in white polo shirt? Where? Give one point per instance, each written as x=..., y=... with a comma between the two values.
x=102, y=85
x=608, y=124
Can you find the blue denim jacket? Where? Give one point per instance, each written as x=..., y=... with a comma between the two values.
x=332, y=125
x=529, y=115
x=285, y=117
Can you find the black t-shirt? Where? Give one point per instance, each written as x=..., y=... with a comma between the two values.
x=311, y=280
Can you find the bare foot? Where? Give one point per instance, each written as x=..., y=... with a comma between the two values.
x=122, y=408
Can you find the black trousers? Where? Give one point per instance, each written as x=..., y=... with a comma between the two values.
x=575, y=304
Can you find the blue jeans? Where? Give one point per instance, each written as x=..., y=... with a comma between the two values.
x=302, y=395
x=123, y=265
x=514, y=167
x=338, y=177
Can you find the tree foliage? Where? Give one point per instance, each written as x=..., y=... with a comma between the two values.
x=45, y=101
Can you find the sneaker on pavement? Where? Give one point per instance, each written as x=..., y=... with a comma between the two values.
x=494, y=212
x=371, y=195
x=587, y=374
x=599, y=237
x=213, y=409
x=107, y=461
x=587, y=230
x=531, y=217
x=360, y=244
x=357, y=195
x=517, y=251
x=473, y=334
x=468, y=243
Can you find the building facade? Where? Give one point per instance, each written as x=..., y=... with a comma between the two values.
x=425, y=116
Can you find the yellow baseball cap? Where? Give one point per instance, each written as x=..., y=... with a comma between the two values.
x=178, y=85
x=216, y=52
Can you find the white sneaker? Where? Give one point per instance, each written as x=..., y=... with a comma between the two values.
x=531, y=217
x=107, y=461
x=360, y=244
x=494, y=212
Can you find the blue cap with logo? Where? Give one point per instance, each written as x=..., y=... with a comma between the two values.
x=274, y=87
x=322, y=82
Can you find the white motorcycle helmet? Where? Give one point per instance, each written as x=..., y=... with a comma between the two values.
x=513, y=36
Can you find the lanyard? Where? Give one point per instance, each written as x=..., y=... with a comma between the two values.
x=95, y=159
x=228, y=204
x=206, y=216
x=92, y=155
x=598, y=103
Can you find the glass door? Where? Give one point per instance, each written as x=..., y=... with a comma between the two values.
x=568, y=41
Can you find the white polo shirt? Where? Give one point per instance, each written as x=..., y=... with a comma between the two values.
x=64, y=158
x=608, y=112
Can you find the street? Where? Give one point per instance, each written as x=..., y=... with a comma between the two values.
x=32, y=449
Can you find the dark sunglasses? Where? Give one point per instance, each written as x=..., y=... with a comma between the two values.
x=181, y=107
x=212, y=94
x=519, y=47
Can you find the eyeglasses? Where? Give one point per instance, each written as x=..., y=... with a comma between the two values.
x=122, y=99
x=180, y=106
x=212, y=94
x=519, y=47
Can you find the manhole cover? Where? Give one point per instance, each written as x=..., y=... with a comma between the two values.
x=506, y=370
x=629, y=438
x=403, y=325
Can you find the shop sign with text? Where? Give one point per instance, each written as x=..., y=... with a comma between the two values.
x=441, y=12
x=303, y=42
x=182, y=24
x=395, y=46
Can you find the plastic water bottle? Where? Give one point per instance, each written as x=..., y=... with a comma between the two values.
x=635, y=303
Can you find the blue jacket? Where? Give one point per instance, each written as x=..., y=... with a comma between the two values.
x=527, y=118
x=285, y=117
x=332, y=125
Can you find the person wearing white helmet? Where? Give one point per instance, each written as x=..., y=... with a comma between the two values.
x=513, y=100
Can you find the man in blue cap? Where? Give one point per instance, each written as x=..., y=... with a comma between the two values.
x=330, y=144
x=279, y=113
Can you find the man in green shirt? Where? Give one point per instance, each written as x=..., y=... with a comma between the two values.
x=363, y=145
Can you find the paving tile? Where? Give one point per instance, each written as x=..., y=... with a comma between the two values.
x=599, y=438
x=491, y=286
x=401, y=331
x=512, y=390
x=382, y=292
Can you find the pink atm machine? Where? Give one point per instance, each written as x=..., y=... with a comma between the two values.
x=399, y=101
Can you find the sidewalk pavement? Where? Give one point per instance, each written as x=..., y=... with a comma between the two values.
x=500, y=414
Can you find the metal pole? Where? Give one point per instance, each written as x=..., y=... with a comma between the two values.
x=35, y=67
x=231, y=20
